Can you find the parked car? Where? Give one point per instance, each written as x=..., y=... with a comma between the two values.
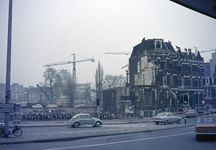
x=191, y=113
x=213, y=111
x=24, y=105
x=37, y=106
x=205, y=127
x=82, y=106
x=51, y=106
x=84, y=119
x=166, y=118
x=202, y=112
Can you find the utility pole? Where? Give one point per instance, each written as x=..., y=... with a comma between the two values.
x=8, y=71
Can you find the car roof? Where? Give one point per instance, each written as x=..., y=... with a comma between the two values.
x=81, y=114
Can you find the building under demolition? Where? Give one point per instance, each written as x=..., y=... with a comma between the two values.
x=162, y=78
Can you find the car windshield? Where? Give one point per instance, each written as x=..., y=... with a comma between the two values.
x=206, y=120
x=161, y=114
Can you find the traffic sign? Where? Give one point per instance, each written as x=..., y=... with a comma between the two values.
x=7, y=108
x=185, y=109
x=203, y=102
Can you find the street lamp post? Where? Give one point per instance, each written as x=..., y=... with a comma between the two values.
x=8, y=69
x=1, y=89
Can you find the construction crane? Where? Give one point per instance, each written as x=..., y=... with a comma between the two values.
x=43, y=91
x=69, y=62
x=208, y=50
x=120, y=53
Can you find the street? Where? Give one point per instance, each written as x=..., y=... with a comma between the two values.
x=115, y=136
x=183, y=138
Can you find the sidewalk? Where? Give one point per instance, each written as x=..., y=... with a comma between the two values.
x=50, y=131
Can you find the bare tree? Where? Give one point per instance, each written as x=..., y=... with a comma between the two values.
x=69, y=89
x=54, y=82
x=99, y=81
x=111, y=81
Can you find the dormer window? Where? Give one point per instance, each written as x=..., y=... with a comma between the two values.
x=158, y=44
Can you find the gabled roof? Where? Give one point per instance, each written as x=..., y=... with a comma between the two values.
x=198, y=56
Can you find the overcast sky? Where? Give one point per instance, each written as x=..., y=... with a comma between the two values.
x=48, y=31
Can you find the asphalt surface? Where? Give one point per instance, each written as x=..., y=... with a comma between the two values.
x=36, y=131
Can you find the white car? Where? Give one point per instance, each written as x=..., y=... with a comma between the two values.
x=37, y=106
x=166, y=118
x=51, y=106
x=191, y=113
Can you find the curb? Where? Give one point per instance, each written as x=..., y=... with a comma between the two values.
x=114, y=123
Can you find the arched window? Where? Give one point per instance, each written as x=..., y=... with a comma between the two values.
x=158, y=44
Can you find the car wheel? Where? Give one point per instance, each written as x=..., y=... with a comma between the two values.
x=97, y=124
x=198, y=137
x=156, y=123
x=166, y=122
x=76, y=125
x=178, y=121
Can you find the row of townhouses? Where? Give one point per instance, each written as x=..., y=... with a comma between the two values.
x=160, y=78
x=20, y=94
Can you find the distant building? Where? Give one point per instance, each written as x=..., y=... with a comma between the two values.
x=112, y=100
x=212, y=64
x=207, y=69
x=17, y=95
x=210, y=83
x=64, y=74
x=83, y=93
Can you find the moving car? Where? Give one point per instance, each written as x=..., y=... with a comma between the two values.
x=191, y=113
x=37, y=106
x=84, y=119
x=51, y=106
x=166, y=118
x=205, y=127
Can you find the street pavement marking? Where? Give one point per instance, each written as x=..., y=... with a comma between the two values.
x=120, y=142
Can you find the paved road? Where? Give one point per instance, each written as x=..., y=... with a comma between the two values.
x=40, y=131
x=183, y=138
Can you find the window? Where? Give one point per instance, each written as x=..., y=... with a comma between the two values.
x=164, y=80
x=196, y=83
x=179, y=83
x=210, y=80
x=208, y=92
x=171, y=80
x=158, y=44
x=162, y=65
x=179, y=68
x=143, y=79
x=138, y=67
x=170, y=66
